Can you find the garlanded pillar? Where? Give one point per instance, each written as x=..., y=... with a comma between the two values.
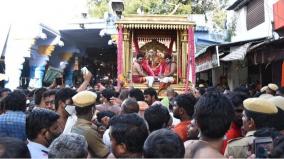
x=119, y=50
x=184, y=53
x=126, y=52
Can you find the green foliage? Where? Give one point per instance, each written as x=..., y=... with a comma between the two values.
x=231, y=29
x=97, y=8
x=202, y=6
x=184, y=9
x=219, y=18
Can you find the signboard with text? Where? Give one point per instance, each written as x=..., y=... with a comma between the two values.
x=207, y=61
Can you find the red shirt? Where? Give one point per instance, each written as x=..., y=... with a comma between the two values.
x=181, y=129
x=232, y=133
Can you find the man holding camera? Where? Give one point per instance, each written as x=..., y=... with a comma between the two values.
x=258, y=113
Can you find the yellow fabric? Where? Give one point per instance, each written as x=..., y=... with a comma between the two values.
x=84, y=98
x=260, y=105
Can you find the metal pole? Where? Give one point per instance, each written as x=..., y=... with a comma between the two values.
x=217, y=52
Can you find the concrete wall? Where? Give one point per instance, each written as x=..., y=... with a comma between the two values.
x=237, y=74
x=216, y=74
x=260, y=31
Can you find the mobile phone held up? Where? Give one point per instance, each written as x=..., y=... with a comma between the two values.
x=262, y=147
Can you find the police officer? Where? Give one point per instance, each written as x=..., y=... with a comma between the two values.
x=84, y=104
x=258, y=113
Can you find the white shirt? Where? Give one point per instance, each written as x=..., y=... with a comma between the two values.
x=71, y=121
x=106, y=139
x=175, y=120
x=37, y=150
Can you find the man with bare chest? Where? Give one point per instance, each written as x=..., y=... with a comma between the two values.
x=138, y=74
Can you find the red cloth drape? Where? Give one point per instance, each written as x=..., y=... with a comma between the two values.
x=190, y=72
x=282, y=75
x=119, y=51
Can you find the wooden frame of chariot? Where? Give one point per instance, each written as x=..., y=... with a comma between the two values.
x=159, y=34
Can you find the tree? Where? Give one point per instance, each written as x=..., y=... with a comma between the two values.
x=202, y=6
x=97, y=8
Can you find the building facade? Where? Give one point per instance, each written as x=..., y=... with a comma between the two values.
x=253, y=18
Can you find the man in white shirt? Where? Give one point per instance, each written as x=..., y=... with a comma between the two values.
x=72, y=119
x=37, y=150
x=42, y=128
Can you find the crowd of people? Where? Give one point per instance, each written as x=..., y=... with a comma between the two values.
x=106, y=122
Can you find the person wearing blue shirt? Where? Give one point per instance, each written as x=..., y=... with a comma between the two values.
x=13, y=120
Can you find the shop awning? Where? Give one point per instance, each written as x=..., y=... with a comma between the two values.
x=237, y=53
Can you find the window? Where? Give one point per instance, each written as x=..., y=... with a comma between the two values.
x=255, y=13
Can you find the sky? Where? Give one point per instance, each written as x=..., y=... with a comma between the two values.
x=50, y=12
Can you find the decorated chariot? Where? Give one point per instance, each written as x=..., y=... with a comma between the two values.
x=155, y=36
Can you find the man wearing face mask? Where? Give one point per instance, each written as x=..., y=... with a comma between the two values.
x=62, y=101
x=42, y=128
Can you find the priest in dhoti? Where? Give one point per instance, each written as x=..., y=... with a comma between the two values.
x=138, y=73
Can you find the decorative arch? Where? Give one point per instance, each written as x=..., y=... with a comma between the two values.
x=154, y=45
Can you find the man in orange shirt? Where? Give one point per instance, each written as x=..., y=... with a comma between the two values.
x=168, y=69
x=183, y=109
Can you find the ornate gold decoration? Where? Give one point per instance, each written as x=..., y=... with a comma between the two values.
x=154, y=45
x=184, y=62
x=155, y=22
x=154, y=33
x=126, y=51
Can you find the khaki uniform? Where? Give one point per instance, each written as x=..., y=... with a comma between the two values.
x=240, y=147
x=95, y=144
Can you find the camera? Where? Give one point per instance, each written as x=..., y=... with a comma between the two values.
x=262, y=147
